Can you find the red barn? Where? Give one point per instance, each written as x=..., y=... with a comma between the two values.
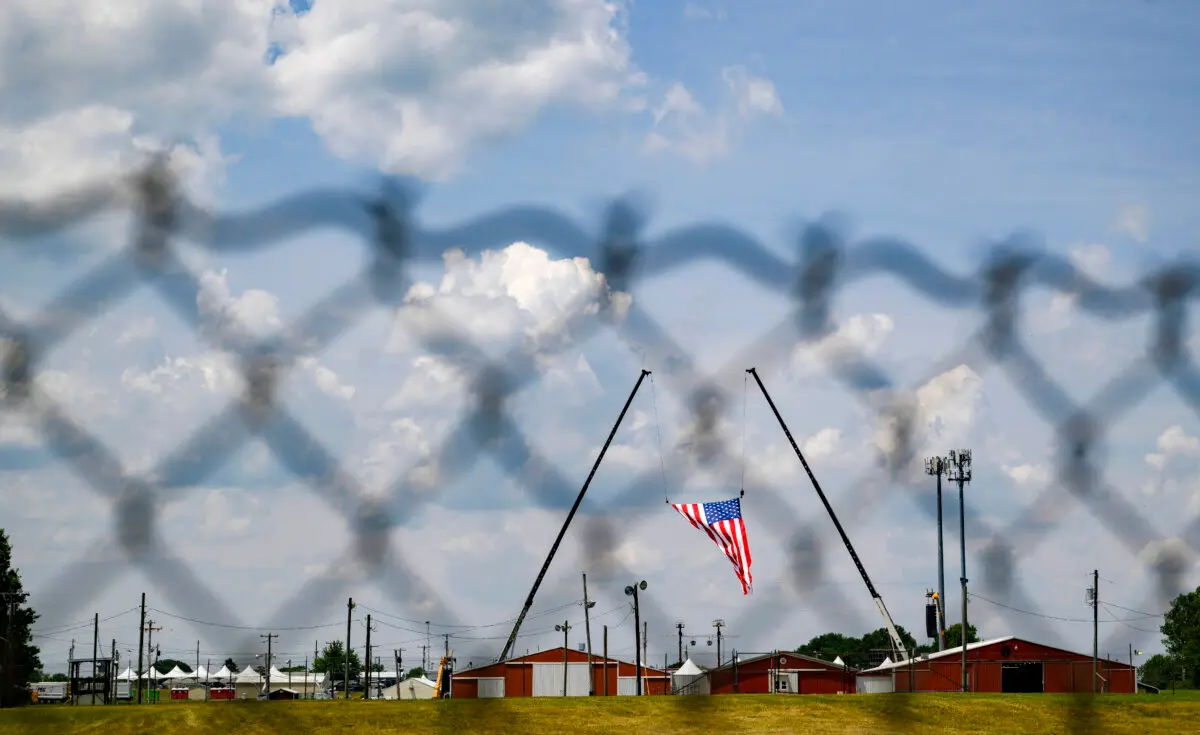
x=541, y=674
x=1002, y=665
x=781, y=673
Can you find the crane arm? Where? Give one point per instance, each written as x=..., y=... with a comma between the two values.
x=512, y=637
x=897, y=643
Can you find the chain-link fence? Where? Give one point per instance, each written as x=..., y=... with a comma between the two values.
x=388, y=226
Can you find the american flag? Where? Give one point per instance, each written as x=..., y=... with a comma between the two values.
x=723, y=523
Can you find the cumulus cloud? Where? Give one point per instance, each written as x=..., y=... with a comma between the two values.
x=682, y=126
x=410, y=86
x=859, y=335
x=938, y=415
x=1174, y=468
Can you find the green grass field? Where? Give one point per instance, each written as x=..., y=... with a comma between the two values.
x=907, y=713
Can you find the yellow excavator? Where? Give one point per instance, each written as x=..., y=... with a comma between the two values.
x=445, y=671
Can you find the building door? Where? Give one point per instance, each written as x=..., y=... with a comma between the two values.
x=490, y=688
x=1023, y=677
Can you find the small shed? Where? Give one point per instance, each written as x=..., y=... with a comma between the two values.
x=284, y=693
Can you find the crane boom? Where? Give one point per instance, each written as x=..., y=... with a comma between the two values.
x=897, y=643
x=512, y=637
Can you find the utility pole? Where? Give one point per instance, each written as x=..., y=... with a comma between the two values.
x=151, y=675
x=346, y=677
x=396, y=655
x=960, y=471
x=632, y=591
x=428, y=646
x=267, y=675
x=95, y=650
x=937, y=466
x=446, y=650
x=1095, y=627
x=587, y=629
x=367, y=675
x=606, y=660
x=424, y=668
x=141, y=639
x=679, y=627
x=565, y=628
x=718, y=624
x=198, y=655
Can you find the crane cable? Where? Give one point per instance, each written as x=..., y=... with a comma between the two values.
x=745, y=388
x=658, y=430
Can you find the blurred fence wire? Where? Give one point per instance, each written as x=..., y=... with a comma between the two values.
x=389, y=229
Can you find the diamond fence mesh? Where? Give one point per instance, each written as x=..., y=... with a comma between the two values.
x=388, y=226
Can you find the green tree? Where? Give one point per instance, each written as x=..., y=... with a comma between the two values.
x=332, y=661
x=1181, y=634
x=1159, y=671
x=56, y=677
x=379, y=667
x=16, y=619
x=164, y=665
x=954, y=635
x=856, y=652
x=231, y=665
x=418, y=671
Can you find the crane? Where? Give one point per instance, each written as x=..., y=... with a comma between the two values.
x=512, y=637
x=897, y=643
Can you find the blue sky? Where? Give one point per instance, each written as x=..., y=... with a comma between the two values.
x=945, y=125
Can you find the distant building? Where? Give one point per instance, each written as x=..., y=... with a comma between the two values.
x=541, y=674
x=1000, y=665
x=417, y=687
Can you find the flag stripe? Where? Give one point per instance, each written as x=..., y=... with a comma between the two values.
x=728, y=532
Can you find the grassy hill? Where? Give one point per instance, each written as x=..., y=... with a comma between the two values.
x=900, y=713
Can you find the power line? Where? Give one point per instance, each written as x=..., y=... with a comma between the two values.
x=238, y=627
x=1052, y=617
x=69, y=627
x=1122, y=622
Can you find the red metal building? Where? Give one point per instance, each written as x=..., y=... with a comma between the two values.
x=542, y=674
x=1002, y=665
x=781, y=673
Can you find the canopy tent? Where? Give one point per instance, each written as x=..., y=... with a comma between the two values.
x=126, y=675
x=838, y=660
x=201, y=674
x=277, y=675
x=248, y=676
x=178, y=673
x=222, y=674
x=689, y=679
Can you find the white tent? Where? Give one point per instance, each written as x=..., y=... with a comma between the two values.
x=689, y=679
x=221, y=674
x=177, y=673
x=838, y=660
x=126, y=675
x=248, y=676
x=277, y=675
x=201, y=674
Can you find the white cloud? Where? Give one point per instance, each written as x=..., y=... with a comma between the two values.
x=684, y=127
x=515, y=292
x=410, y=86
x=695, y=11
x=1174, y=469
x=1028, y=475
x=942, y=413
x=860, y=334
x=1134, y=220
x=415, y=86
x=1091, y=258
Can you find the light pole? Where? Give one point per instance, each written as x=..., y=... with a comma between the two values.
x=959, y=470
x=937, y=466
x=632, y=591
x=565, y=629
x=718, y=624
